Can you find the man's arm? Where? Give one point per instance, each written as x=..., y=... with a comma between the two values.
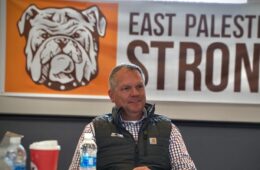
x=76, y=158
x=180, y=158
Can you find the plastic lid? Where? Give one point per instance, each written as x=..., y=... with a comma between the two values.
x=15, y=140
x=88, y=136
x=45, y=145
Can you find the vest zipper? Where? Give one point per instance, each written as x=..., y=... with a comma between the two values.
x=145, y=142
x=136, y=151
x=136, y=154
x=143, y=130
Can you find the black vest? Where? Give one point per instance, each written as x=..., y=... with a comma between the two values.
x=117, y=149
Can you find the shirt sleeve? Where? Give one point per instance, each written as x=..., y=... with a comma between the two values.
x=76, y=158
x=180, y=158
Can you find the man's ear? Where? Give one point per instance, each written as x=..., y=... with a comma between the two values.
x=111, y=95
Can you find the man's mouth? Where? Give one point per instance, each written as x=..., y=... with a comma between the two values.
x=135, y=101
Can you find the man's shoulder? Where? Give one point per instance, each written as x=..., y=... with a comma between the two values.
x=160, y=117
x=104, y=117
x=103, y=121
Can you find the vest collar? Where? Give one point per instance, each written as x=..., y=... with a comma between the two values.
x=148, y=112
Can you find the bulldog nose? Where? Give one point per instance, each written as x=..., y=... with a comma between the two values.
x=62, y=42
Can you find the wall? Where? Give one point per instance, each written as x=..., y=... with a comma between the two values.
x=91, y=107
x=212, y=145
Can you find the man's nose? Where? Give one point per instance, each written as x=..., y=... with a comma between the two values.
x=134, y=91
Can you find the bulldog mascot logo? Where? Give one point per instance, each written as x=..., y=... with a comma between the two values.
x=62, y=45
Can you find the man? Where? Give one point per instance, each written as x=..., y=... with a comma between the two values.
x=133, y=137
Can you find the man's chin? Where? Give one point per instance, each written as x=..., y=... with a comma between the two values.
x=137, y=108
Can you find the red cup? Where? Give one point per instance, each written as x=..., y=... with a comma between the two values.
x=44, y=158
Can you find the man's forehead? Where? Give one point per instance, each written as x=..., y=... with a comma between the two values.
x=124, y=71
x=130, y=83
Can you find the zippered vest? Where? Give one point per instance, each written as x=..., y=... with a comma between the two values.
x=117, y=149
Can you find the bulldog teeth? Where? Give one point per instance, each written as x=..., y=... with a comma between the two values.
x=51, y=54
x=70, y=54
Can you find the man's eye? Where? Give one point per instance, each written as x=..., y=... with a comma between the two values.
x=140, y=86
x=126, y=88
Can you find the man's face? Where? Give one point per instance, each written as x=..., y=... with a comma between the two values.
x=129, y=93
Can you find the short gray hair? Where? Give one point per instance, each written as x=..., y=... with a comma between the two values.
x=127, y=66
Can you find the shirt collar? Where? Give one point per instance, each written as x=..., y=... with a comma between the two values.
x=135, y=121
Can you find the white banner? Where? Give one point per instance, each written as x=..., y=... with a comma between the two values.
x=193, y=52
x=188, y=51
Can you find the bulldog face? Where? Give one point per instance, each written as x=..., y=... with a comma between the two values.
x=62, y=45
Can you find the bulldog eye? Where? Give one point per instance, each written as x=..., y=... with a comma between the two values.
x=45, y=35
x=75, y=35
